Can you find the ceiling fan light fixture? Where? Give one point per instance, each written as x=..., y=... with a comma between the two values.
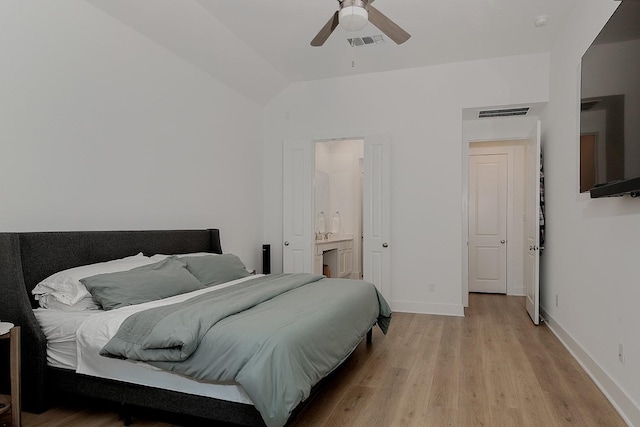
x=353, y=18
x=353, y=15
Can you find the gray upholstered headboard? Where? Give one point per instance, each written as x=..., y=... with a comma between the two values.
x=27, y=258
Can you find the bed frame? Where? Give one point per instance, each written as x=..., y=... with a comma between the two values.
x=27, y=258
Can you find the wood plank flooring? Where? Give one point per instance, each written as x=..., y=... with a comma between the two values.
x=490, y=368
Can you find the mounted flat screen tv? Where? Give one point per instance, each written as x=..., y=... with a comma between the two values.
x=610, y=107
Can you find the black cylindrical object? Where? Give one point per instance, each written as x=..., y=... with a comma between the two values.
x=266, y=259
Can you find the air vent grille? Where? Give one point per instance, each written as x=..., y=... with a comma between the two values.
x=363, y=41
x=504, y=112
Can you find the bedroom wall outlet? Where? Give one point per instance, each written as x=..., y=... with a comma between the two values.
x=432, y=287
x=621, y=352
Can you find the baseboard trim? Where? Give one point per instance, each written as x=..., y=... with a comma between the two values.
x=428, y=308
x=516, y=291
x=627, y=409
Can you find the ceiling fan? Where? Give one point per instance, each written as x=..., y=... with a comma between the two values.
x=353, y=15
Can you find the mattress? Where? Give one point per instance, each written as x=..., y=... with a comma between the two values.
x=60, y=328
x=64, y=350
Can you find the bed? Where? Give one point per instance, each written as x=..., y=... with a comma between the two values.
x=27, y=258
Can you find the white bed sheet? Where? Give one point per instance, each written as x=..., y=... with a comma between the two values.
x=74, y=340
x=60, y=328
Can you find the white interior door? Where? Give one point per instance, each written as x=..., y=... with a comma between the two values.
x=488, y=223
x=376, y=214
x=532, y=226
x=297, y=216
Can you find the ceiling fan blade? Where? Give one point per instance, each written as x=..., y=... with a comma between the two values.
x=326, y=31
x=387, y=26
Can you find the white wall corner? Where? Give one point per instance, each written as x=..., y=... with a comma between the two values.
x=626, y=407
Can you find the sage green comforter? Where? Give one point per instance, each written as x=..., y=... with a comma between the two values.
x=275, y=335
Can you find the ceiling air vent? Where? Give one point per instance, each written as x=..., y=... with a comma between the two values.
x=504, y=112
x=362, y=41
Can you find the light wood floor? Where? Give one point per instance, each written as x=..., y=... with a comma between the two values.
x=490, y=368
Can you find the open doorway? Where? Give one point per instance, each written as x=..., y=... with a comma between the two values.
x=338, y=208
x=522, y=278
x=300, y=249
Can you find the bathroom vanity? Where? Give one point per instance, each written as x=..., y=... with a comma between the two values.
x=336, y=253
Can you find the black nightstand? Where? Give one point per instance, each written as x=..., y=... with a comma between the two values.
x=12, y=402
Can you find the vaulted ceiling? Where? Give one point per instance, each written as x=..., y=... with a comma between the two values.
x=259, y=47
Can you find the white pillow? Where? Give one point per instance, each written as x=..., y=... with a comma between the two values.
x=49, y=302
x=65, y=285
x=161, y=257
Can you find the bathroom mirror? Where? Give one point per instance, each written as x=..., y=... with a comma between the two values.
x=322, y=196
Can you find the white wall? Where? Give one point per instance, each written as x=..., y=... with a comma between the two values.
x=100, y=128
x=592, y=246
x=422, y=111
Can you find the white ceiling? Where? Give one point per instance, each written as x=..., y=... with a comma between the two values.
x=259, y=47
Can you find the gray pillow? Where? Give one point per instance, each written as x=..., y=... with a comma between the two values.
x=142, y=284
x=213, y=270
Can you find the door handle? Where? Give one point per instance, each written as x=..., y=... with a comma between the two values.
x=286, y=243
x=502, y=241
x=385, y=245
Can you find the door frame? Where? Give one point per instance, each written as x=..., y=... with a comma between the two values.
x=368, y=137
x=515, y=150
